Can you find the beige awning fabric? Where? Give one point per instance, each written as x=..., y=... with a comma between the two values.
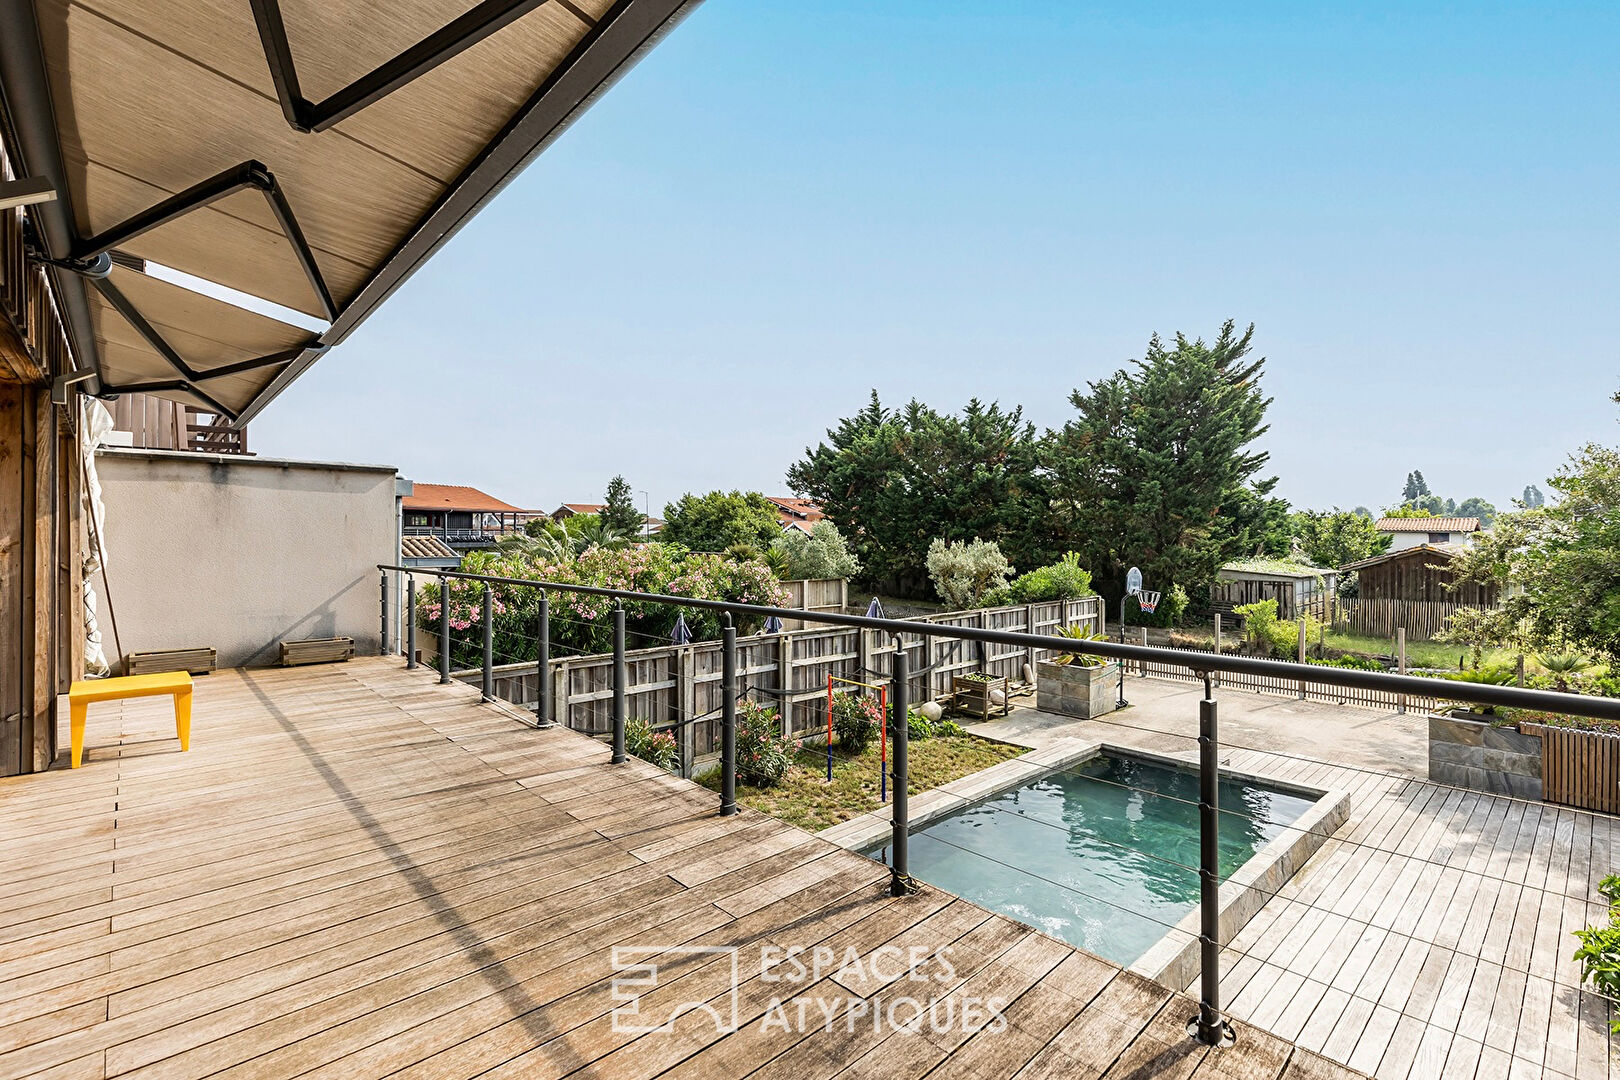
x=152, y=98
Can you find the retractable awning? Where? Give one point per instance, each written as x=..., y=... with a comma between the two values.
x=312, y=153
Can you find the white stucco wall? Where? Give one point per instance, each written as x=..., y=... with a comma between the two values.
x=1399, y=541
x=240, y=552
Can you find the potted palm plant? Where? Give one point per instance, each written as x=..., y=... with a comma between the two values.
x=1077, y=684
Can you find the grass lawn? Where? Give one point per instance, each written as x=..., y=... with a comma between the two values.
x=1425, y=654
x=1419, y=654
x=805, y=798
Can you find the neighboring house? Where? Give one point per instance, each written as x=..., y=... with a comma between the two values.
x=1407, y=532
x=463, y=517
x=568, y=510
x=1297, y=588
x=428, y=553
x=1422, y=574
x=796, y=514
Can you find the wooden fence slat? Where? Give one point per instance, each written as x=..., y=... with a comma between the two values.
x=676, y=687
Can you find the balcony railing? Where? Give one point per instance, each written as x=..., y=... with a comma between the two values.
x=1209, y=1026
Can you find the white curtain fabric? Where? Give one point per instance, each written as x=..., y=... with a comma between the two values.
x=94, y=424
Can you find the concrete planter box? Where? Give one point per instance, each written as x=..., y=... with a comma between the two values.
x=1074, y=690
x=1473, y=754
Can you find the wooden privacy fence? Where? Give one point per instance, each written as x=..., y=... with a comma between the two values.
x=1308, y=691
x=1579, y=768
x=814, y=594
x=1422, y=618
x=677, y=687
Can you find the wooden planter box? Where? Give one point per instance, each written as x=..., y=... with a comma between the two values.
x=974, y=697
x=1076, y=690
x=316, y=651
x=196, y=661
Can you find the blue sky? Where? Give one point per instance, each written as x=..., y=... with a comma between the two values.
x=786, y=205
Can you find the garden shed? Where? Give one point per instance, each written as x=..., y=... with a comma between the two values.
x=1298, y=588
x=1421, y=573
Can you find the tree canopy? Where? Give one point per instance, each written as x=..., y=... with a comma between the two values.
x=1159, y=470
x=895, y=480
x=1564, y=556
x=720, y=521
x=1334, y=537
x=620, y=513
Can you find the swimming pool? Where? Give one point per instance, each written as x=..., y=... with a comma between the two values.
x=1102, y=854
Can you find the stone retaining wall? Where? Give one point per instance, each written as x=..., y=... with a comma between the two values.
x=1475, y=755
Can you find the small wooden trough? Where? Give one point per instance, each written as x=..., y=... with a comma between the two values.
x=327, y=650
x=198, y=661
x=978, y=698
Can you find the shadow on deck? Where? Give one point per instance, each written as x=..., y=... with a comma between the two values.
x=357, y=872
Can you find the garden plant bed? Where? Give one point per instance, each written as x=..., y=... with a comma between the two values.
x=805, y=798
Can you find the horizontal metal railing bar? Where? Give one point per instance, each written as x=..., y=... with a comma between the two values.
x=1512, y=697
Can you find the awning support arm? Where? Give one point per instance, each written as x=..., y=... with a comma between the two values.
x=249, y=174
x=452, y=39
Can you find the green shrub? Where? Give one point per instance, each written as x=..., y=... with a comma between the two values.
x=1599, y=952
x=655, y=747
x=822, y=554
x=855, y=720
x=949, y=728
x=964, y=574
x=1065, y=579
x=1279, y=639
x=1169, y=612
x=917, y=725
x=764, y=754
x=1354, y=663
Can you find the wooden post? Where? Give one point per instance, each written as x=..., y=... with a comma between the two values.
x=1302, y=645
x=1217, y=644
x=1400, y=664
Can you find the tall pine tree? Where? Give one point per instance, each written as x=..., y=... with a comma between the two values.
x=1158, y=470
x=620, y=513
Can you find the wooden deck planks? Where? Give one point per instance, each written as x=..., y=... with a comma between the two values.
x=358, y=873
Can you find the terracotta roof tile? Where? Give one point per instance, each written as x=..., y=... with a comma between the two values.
x=456, y=497
x=425, y=547
x=1428, y=524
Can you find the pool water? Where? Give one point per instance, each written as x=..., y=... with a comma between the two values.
x=1102, y=854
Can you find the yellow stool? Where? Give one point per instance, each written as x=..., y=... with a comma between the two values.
x=177, y=683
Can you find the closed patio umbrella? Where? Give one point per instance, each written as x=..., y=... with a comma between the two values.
x=773, y=625
x=682, y=634
x=874, y=610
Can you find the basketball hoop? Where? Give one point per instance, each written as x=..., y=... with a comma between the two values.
x=1147, y=601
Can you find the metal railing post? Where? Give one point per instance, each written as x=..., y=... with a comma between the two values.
x=1208, y=1027
x=444, y=629
x=900, y=883
x=489, y=644
x=410, y=622
x=728, y=719
x=1218, y=648
x=618, y=684
x=542, y=705
x=382, y=649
